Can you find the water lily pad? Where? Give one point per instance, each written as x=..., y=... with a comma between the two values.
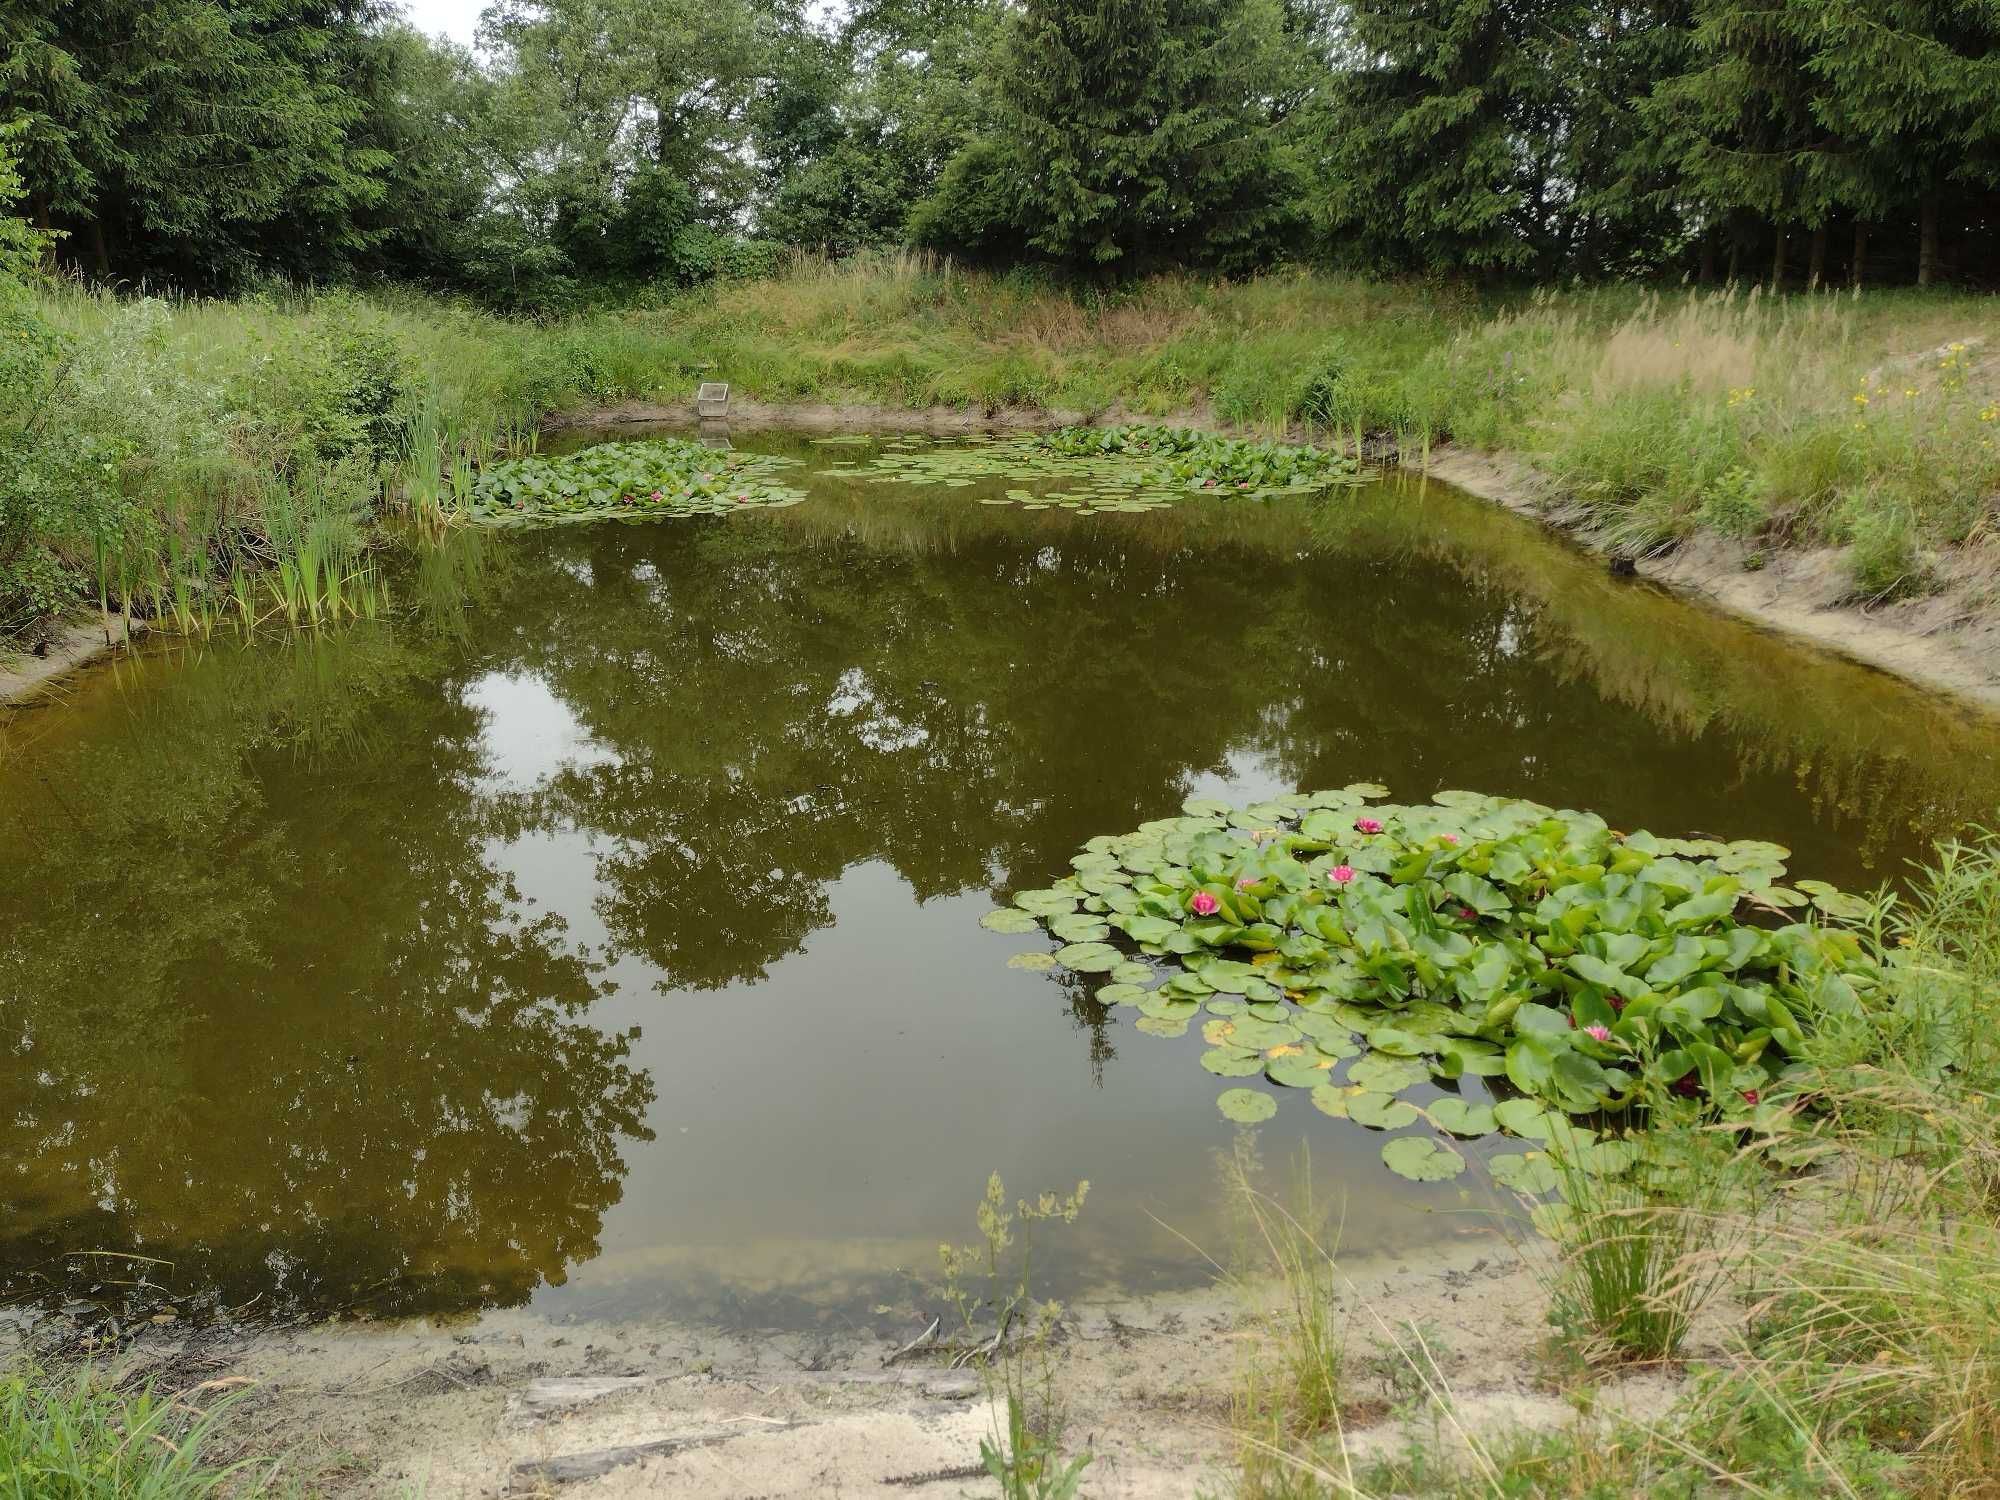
x=1046, y=903
x=1009, y=919
x=1387, y=1075
x=1461, y=1117
x=1230, y=1062
x=1305, y=1070
x=1167, y=1007
x=1324, y=1029
x=1163, y=1026
x=1332, y=1099
x=1119, y=994
x=1035, y=962
x=1397, y=1042
x=1079, y=928
x=1132, y=973
x=1251, y=1032
x=1421, y=1159
x=1246, y=1106
x=1380, y=1111
x=1524, y=1117
x=1088, y=958
x=1526, y=1172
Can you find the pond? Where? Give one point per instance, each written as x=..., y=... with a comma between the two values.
x=601, y=932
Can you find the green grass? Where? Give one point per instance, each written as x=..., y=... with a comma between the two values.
x=171, y=442
x=78, y=1435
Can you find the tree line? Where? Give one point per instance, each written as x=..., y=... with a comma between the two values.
x=209, y=144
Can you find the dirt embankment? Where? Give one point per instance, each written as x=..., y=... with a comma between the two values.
x=71, y=647
x=517, y=1405
x=1947, y=640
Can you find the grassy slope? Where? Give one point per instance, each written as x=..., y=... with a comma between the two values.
x=1799, y=420
x=1663, y=414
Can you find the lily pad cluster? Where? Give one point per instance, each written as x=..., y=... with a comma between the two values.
x=1118, y=469
x=1362, y=951
x=1204, y=461
x=658, y=477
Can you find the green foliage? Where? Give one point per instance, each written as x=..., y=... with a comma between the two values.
x=1595, y=970
x=1026, y=1459
x=662, y=477
x=1127, y=135
x=1117, y=469
x=79, y=1436
x=1204, y=460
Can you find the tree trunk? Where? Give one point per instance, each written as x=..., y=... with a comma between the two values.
x=1735, y=259
x=1816, y=263
x=1708, y=260
x=1778, y=262
x=100, y=249
x=1927, y=240
x=1857, y=266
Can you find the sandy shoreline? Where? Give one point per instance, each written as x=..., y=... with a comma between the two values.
x=518, y=1404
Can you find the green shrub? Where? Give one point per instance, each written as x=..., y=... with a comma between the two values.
x=1884, y=558
x=1734, y=504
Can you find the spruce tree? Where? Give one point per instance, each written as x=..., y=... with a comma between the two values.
x=1911, y=90
x=1423, y=147
x=1126, y=135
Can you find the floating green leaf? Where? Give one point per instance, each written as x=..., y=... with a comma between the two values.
x=1388, y=1075
x=1079, y=928
x=1228, y=1062
x=1460, y=1117
x=1088, y=958
x=1379, y=1111
x=1421, y=1159
x=1008, y=919
x=1524, y=1172
x=1305, y=1070
x=1034, y=961
x=1246, y=1106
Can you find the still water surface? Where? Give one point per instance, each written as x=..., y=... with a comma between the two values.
x=603, y=931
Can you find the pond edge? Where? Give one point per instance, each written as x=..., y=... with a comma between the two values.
x=1945, y=642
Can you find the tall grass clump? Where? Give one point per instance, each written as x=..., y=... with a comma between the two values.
x=79, y=1435
x=1638, y=1254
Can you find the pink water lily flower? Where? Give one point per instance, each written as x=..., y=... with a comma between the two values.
x=1451, y=839
x=1749, y=1096
x=1367, y=825
x=1204, y=905
x=1340, y=874
x=1467, y=914
x=1598, y=1033
x=1246, y=882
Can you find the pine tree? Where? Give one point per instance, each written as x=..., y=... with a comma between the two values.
x=1127, y=135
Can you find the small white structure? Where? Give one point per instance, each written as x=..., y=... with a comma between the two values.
x=712, y=400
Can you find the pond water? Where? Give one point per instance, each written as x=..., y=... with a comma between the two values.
x=602, y=931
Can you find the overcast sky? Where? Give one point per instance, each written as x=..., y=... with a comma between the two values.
x=457, y=19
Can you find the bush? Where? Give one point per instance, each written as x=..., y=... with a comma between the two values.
x=1884, y=559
